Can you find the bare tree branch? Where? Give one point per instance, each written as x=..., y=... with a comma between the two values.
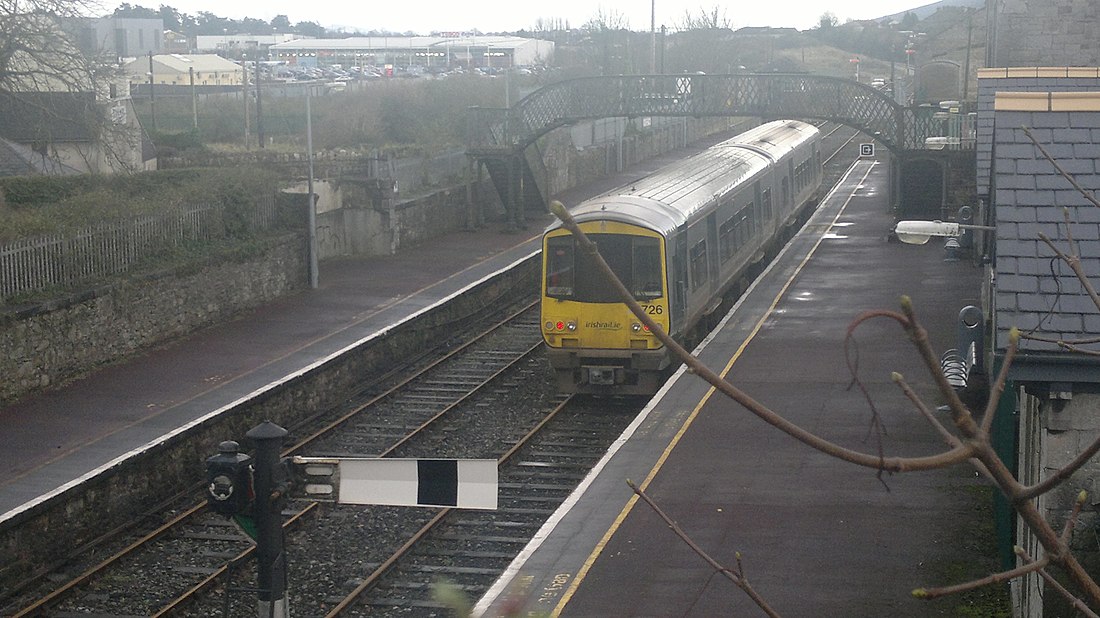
x=1074, y=263
x=1078, y=604
x=1062, y=473
x=997, y=390
x=951, y=439
x=1073, y=181
x=737, y=576
x=995, y=578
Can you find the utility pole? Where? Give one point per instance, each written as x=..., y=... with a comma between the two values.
x=653, y=36
x=152, y=96
x=259, y=108
x=244, y=97
x=309, y=187
x=194, y=100
x=969, y=44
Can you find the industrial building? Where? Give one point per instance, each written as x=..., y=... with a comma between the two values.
x=467, y=51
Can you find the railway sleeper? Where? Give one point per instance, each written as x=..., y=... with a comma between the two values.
x=509, y=540
x=441, y=568
x=464, y=553
x=479, y=523
x=405, y=603
x=525, y=485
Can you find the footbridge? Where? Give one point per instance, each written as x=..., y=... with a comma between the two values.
x=499, y=137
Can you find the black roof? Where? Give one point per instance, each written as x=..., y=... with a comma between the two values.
x=20, y=160
x=48, y=116
x=1034, y=291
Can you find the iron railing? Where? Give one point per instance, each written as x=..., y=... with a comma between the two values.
x=495, y=131
x=60, y=260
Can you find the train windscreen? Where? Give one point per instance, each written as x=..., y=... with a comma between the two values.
x=572, y=275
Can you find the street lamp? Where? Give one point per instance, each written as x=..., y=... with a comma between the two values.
x=919, y=232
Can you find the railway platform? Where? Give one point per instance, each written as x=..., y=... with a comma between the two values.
x=815, y=536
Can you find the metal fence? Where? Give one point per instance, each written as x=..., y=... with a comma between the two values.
x=58, y=260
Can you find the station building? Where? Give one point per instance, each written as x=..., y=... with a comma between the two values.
x=444, y=52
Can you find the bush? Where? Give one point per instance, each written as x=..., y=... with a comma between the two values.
x=50, y=204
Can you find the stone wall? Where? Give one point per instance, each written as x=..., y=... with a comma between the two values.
x=358, y=227
x=51, y=342
x=1044, y=33
x=1054, y=427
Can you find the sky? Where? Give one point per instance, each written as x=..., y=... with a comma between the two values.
x=426, y=16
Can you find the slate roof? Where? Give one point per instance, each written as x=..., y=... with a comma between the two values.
x=1023, y=79
x=1028, y=197
x=47, y=116
x=19, y=160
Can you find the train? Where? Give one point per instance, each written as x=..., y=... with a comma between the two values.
x=685, y=241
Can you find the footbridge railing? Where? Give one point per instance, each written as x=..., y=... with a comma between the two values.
x=496, y=131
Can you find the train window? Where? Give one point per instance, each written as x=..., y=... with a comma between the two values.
x=698, y=264
x=767, y=200
x=786, y=189
x=645, y=284
x=635, y=260
x=559, y=266
x=726, y=239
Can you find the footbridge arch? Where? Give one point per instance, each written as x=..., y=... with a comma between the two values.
x=498, y=137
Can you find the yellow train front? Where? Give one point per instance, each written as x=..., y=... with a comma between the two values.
x=596, y=344
x=683, y=241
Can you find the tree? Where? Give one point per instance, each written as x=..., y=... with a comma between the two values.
x=53, y=80
x=137, y=12
x=909, y=21
x=310, y=29
x=281, y=23
x=172, y=18
x=827, y=20
x=606, y=20
x=707, y=19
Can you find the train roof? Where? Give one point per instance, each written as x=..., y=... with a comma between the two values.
x=774, y=139
x=673, y=195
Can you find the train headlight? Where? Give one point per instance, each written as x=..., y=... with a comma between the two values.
x=560, y=325
x=572, y=326
x=636, y=327
x=549, y=326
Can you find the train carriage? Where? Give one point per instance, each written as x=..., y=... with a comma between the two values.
x=682, y=240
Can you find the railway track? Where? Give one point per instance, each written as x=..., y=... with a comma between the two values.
x=155, y=574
